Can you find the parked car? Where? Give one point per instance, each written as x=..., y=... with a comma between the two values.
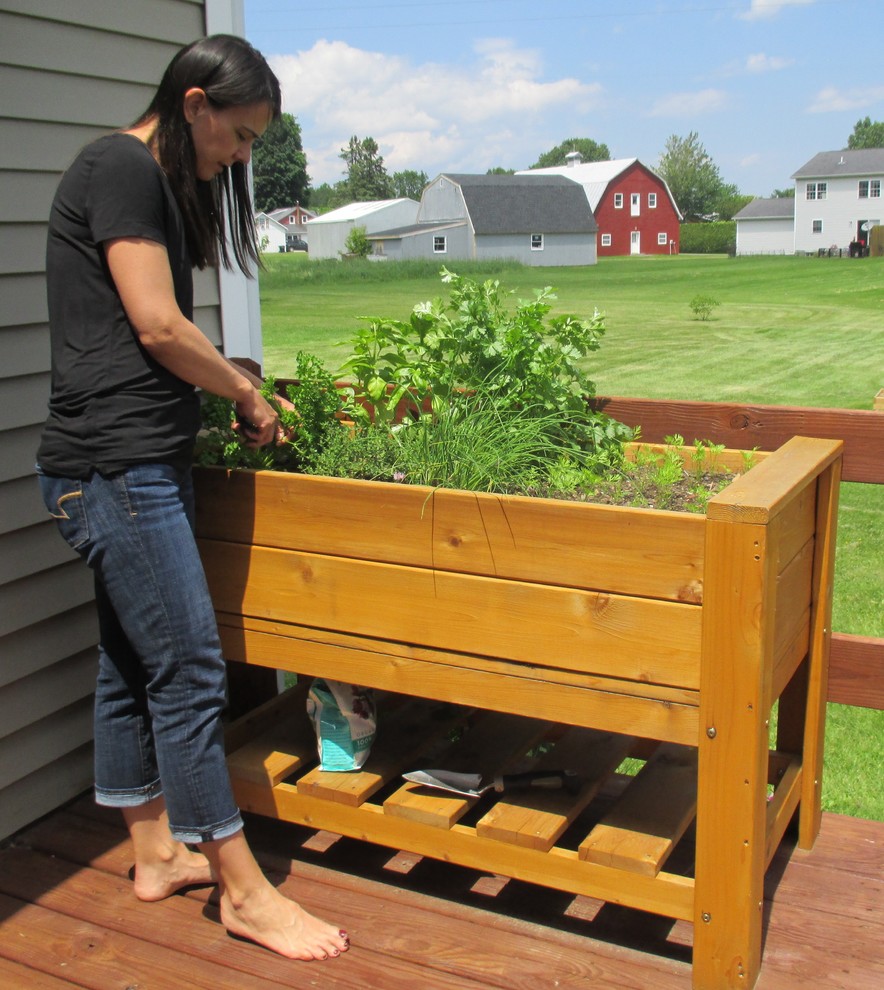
x=293, y=243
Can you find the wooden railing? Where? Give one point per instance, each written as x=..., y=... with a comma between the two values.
x=856, y=671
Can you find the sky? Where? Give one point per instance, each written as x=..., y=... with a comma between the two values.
x=468, y=85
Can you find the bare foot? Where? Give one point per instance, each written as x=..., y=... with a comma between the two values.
x=272, y=920
x=166, y=876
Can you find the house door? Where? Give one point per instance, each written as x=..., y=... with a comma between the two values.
x=635, y=242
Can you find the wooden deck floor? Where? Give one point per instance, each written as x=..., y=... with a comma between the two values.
x=68, y=918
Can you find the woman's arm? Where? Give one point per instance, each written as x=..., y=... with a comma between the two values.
x=141, y=273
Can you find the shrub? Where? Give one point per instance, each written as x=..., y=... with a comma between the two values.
x=702, y=306
x=357, y=243
x=708, y=238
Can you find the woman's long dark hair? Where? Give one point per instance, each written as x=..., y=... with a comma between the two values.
x=231, y=73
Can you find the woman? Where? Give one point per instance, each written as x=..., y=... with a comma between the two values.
x=132, y=215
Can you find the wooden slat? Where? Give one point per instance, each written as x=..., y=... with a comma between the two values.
x=636, y=552
x=856, y=671
x=538, y=818
x=490, y=746
x=642, y=829
x=772, y=486
x=645, y=640
x=404, y=736
x=609, y=704
x=745, y=426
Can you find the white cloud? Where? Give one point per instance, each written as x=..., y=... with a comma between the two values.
x=749, y=160
x=428, y=115
x=832, y=100
x=689, y=104
x=765, y=9
x=767, y=63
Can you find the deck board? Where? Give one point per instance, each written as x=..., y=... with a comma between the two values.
x=67, y=918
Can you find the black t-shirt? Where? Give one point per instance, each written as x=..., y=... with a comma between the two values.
x=111, y=405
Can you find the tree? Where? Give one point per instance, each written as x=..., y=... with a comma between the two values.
x=788, y=193
x=367, y=177
x=730, y=201
x=867, y=133
x=500, y=170
x=279, y=166
x=591, y=151
x=691, y=175
x=409, y=184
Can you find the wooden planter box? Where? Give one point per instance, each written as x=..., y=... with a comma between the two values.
x=630, y=630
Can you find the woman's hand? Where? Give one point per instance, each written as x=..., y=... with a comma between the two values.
x=257, y=421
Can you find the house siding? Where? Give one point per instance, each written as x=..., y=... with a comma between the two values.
x=838, y=213
x=765, y=236
x=64, y=83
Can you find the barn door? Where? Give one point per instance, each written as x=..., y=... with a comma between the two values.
x=635, y=242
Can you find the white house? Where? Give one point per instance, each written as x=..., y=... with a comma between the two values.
x=766, y=226
x=838, y=199
x=271, y=233
x=327, y=234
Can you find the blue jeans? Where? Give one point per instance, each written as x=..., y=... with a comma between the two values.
x=161, y=678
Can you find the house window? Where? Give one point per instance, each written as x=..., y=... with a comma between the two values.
x=652, y=201
x=816, y=190
x=606, y=240
x=440, y=244
x=537, y=242
x=293, y=219
x=869, y=188
x=662, y=238
x=618, y=201
x=817, y=226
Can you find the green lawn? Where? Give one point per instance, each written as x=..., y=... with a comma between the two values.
x=788, y=331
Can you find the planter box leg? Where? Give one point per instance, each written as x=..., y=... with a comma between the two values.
x=733, y=748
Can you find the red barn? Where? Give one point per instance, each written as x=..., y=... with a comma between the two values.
x=632, y=205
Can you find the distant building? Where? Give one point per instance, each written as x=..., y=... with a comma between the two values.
x=537, y=220
x=838, y=199
x=766, y=226
x=632, y=205
x=327, y=234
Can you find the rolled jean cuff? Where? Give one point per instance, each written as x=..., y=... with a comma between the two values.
x=130, y=797
x=223, y=830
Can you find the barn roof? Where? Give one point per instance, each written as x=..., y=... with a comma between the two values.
x=513, y=204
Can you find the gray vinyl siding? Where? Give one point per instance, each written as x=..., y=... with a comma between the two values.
x=69, y=72
x=558, y=249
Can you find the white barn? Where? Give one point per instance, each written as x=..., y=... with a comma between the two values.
x=766, y=226
x=328, y=233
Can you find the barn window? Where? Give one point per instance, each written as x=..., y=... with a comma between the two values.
x=537, y=242
x=817, y=190
x=652, y=201
x=440, y=244
x=618, y=201
x=817, y=226
x=606, y=240
x=662, y=238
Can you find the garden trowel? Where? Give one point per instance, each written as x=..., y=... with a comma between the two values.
x=471, y=785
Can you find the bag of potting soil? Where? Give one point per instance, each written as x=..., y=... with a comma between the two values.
x=344, y=719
